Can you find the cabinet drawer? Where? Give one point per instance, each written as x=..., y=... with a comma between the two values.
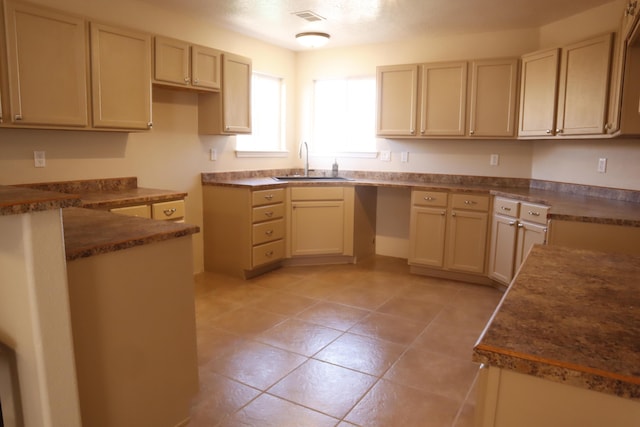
x=268, y=231
x=428, y=198
x=474, y=202
x=264, y=254
x=317, y=193
x=173, y=210
x=267, y=197
x=269, y=212
x=506, y=207
x=141, y=211
x=534, y=213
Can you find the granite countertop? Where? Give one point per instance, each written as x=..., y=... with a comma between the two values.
x=17, y=200
x=607, y=206
x=570, y=316
x=89, y=232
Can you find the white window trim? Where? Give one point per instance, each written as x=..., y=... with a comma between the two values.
x=267, y=154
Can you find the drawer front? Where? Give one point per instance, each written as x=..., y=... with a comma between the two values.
x=268, y=231
x=506, y=207
x=534, y=213
x=267, y=213
x=267, y=197
x=317, y=193
x=429, y=198
x=269, y=252
x=141, y=211
x=173, y=210
x=474, y=202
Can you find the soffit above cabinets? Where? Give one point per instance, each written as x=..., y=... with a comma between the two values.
x=354, y=22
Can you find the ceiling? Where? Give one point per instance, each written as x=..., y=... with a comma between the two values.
x=353, y=22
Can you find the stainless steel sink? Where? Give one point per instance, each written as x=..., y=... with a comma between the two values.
x=310, y=178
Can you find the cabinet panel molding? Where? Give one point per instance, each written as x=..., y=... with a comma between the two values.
x=443, y=98
x=397, y=92
x=538, y=93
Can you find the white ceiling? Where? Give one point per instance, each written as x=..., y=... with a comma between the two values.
x=352, y=22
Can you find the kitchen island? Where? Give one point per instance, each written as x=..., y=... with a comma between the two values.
x=563, y=346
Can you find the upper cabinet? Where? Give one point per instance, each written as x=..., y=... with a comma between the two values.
x=565, y=92
x=492, y=99
x=46, y=67
x=121, y=78
x=228, y=112
x=180, y=64
x=443, y=97
x=397, y=90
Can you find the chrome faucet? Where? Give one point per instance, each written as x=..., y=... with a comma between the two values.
x=306, y=161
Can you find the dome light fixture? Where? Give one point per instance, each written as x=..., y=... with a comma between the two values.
x=312, y=39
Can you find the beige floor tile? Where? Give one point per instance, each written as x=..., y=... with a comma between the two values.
x=364, y=354
x=446, y=339
x=270, y=411
x=327, y=388
x=255, y=364
x=430, y=290
x=362, y=296
x=412, y=309
x=315, y=288
x=247, y=321
x=299, y=337
x=218, y=398
x=214, y=343
x=332, y=315
x=389, y=404
x=434, y=373
x=207, y=307
x=472, y=318
x=281, y=279
x=389, y=328
x=283, y=303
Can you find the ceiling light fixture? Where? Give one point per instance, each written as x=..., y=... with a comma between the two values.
x=312, y=39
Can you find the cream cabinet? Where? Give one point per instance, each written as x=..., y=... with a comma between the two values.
x=46, y=67
x=449, y=231
x=443, y=99
x=492, y=99
x=243, y=230
x=397, y=91
x=228, y=112
x=173, y=210
x=321, y=221
x=180, y=64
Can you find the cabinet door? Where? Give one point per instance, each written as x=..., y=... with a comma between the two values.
x=121, y=78
x=397, y=91
x=584, y=87
x=492, y=107
x=466, y=241
x=236, y=94
x=443, y=98
x=503, y=248
x=205, y=66
x=47, y=63
x=538, y=93
x=528, y=235
x=317, y=228
x=427, y=236
x=171, y=61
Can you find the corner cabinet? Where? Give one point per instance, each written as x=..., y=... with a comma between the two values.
x=121, y=78
x=183, y=65
x=228, y=112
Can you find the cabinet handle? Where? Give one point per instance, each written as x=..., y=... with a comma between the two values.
x=18, y=117
x=187, y=79
x=442, y=213
x=269, y=232
x=512, y=222
x=150, y=125
x=196, y=81
x=558, y=130
x=520, y=225
x=470, y=202
x=548, y=132
x=453, y=214
x=471, y=132
x=227, y=128
x=429, y=198
x=269, y=196
x=504, y=208
x=532, y=213
x=269, y=214
x=422, y=131
x=269, y=254
x=169, y=212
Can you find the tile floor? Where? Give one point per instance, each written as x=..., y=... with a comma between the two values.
x=346, y=345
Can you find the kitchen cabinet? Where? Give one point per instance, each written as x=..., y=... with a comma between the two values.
x=625, y=97
x=121, y=78
x=180, y=64
x=229, y=111
x=46, y=67
x=443, y=97
x=244, y=230
x=492, y=99
x=321, y=221
x=397, y=91
x=449, y=231
x=615, y=238
x=173, y=210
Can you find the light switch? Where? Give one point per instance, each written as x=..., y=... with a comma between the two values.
x=39, y=160
x=602, y=165
x=494, y=159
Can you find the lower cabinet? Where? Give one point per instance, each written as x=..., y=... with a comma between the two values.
x=166, y=211
x=448, y=231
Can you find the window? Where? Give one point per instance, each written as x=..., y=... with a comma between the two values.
x=267, y=116
x=344, y=116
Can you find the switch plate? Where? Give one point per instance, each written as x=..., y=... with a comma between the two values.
x=404, y=156
x=213, y=154
x=385, y=156
x=494, y=160
x=39, y=160
x=602, y=165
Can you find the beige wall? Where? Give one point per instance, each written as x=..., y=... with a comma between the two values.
x=173, y=155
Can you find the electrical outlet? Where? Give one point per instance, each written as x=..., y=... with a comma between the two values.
x=602, y=165
x=494, y=159
x=213, y=154
x=385, y=156
x=404, y=156
x=39, y=160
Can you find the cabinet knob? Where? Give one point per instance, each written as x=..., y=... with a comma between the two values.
x=169, y=212
x=429, y=198
x=227, y=128
x=558, y=130
x=470, y=202
x=18, y=117
x=187, y=79
x=453, y=214
x=422, y=131
x=150, y=125
x=471, y=132
x=548, y=132
x=196, y=81
x=442, y=213
x=512, y=223
x=520, y=225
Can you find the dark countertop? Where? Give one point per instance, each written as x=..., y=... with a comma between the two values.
x=18, y=200
x=570, y=316
x=89, y=232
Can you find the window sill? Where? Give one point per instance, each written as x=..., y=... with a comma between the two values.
x=255, y=154
x=348, y=154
